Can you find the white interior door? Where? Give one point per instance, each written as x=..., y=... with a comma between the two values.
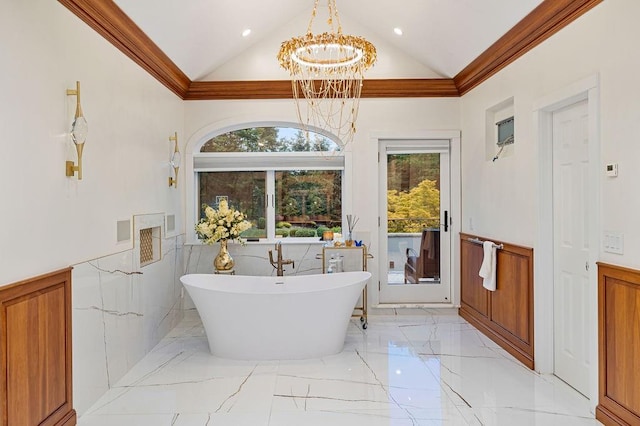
x=415, y=231
x=571, y=244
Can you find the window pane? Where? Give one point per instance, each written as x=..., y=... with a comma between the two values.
x=505, y=131
x=244, y=191
x=413, y=211
x=269, y=139
x=308, y=202
x=413, y=192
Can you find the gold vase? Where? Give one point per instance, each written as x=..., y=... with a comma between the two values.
x=223, y=261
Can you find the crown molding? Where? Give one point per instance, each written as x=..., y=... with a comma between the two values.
x=409, y=88
x=250, y=89
x=107, y=19
x=281, y=89
x=544, y=21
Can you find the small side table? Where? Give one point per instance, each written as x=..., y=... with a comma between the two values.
x=228, y=272
x=355, y=259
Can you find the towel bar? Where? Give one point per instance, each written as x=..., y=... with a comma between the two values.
x=479, y=241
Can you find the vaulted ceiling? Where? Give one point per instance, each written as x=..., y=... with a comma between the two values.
x=447, y=47
x=200, y=36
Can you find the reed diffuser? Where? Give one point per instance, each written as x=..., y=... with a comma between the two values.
x=351, y=224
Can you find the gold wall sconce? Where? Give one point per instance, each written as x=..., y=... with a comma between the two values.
x=79, y=131
x=174, y=160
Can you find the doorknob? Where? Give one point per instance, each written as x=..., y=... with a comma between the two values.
x=446, y=220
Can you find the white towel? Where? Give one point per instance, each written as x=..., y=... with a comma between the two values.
x=488, y=267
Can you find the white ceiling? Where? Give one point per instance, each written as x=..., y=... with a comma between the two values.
x=441, y=37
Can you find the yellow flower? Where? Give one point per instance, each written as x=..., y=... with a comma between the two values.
x=221, y=224
x=209, y=212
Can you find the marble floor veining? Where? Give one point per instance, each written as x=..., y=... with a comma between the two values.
x=428, y=367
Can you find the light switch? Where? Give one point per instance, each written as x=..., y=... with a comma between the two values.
x=613, y=242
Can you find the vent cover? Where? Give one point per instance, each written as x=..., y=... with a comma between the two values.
x=146, y=246
x=171, y=222
x=123, y=232
x=148, y=231
x=149, y=245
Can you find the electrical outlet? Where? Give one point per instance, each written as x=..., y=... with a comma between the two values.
x=392, y=264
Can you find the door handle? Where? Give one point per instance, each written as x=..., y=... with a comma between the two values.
x=446, y=221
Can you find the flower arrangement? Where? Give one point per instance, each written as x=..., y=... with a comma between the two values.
x=222, y=224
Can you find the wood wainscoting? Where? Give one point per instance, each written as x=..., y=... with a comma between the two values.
x=506, y=314
x=618, y=345
x=35, y=352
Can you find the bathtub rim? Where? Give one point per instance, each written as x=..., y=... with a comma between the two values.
x=225, y=284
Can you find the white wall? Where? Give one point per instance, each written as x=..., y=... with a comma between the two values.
x=501, y=199
x=49, y=221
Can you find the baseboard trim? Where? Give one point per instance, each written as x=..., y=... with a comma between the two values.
x=505, y=344
x=605, y=416
x=414, y=306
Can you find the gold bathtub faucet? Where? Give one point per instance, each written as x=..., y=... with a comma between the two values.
x=280, y=262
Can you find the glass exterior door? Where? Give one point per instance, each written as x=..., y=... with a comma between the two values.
x=414, y=223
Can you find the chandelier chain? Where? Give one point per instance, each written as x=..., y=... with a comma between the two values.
x=332, y=20
x=326, y=72
x=333, y=13
x=314, y=12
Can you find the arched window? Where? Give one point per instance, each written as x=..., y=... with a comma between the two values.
x=288, y=182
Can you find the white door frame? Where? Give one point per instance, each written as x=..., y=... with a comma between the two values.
x=424, y=294
x=586, y=89
x=455, y=214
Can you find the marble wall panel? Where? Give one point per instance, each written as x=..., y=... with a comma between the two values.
x=120, y=313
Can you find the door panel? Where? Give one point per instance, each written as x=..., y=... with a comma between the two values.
x=571, y=245
x=511, y=303
x=471, y=291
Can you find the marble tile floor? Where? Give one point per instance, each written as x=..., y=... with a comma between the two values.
x=424, y=367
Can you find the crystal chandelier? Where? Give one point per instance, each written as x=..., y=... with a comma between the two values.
x=326, y=75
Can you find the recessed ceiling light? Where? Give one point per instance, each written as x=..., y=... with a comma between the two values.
x=246, y=32
x=398, y=31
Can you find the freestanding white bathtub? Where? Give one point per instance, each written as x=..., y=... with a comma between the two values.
x=265, y=318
